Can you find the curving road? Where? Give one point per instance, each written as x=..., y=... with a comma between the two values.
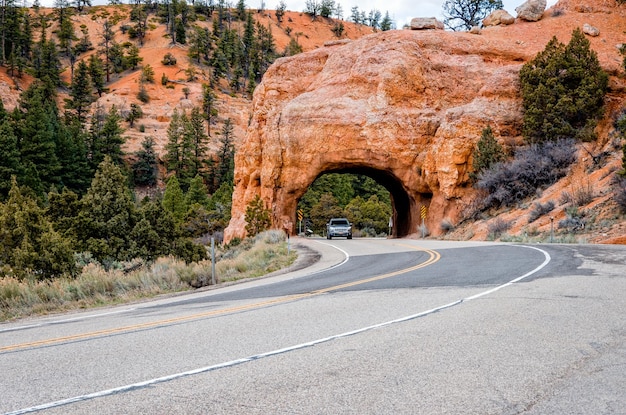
x=374, y=327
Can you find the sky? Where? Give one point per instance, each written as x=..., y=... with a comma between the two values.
x=401, y=11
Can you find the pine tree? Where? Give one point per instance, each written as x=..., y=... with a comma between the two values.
x=38, y=130
x=71, y=150
x=80, y=92
x=197, y=193
x=174, y=199
x=563, y=90
x=10, y=164
x=209, y=107
x=173, y=158
x=487, y=153
x=226, y=155
x=107, y=43
x=107, y=216
x=29, y=246
x=145, y=168
x=107, y=140
x=257, y=217
x=155, y=233
x=97, y=74
x=195, y=132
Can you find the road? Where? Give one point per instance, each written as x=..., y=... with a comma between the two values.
x=375, y=327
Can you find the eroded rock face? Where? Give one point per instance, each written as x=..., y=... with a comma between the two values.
x=404, y=107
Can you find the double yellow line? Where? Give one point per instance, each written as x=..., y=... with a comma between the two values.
x=433, y=256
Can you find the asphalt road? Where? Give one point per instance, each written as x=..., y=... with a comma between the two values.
x=374, y=327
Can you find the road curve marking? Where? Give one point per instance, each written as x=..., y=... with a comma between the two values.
x=433, y=257
x=312, y=343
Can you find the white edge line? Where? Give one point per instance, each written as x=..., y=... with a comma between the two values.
x=235, y=362
x=67, y=320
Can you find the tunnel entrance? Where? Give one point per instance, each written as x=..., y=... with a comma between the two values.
x=387, y=188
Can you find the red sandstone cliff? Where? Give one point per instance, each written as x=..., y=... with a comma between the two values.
x=406, y=107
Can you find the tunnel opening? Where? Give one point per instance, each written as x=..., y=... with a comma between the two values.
x=316, y=209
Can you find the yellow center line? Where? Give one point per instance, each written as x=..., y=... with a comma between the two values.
x=434, y=256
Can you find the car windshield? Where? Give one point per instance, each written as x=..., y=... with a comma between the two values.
x=339, y=222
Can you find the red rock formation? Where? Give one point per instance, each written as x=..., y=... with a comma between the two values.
x=405, y=107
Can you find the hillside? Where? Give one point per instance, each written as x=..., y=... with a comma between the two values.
x=123, y=88
x=526, y=38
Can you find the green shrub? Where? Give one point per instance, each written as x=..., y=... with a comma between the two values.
x=487, y=153
x=563, y=90
x=257, y=217
x=168, y=59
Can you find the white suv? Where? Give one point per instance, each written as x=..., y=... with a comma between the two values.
x=338, y=227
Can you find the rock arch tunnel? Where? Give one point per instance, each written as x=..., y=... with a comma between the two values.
x=391, y=106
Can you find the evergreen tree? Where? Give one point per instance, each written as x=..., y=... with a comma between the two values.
x=194, y=133
x=38, y=130
x=197, y=193
x=155, y=233
x=145, y=168
x=226, y=155
x=139, y=15
x=327, y=207
x=386, y=23
x=80, y=92
x=257, y=217
x=563, y=90
x=173, y=157
x=107, y=44
x=62, y=210
x=134, y=114
x=71, y=150
x=487, y=153
x=10, y=164
x=209, y=106
x=97, y=74
x=200, y=44
x=106, y=139
x=107, y=216
x=174, y=199
x=46, y=64
x=29, y=246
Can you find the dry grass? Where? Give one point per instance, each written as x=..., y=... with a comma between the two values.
x=96, y=286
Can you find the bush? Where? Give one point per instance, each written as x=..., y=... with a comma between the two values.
x=573, y=222
x=539, y=210
x=142, y=95
x=497, y=227
x=620, y=193
x=168, y=59
x=487, y=153
x=563, y=90
x=533, y=167
x=580, y=195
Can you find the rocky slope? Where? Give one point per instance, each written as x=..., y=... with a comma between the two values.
x=408, y=107
x=412, y=104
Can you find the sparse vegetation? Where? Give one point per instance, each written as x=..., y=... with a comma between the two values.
x=532, y=168
x=126, y=281
x=539, y=210
x=497, y=227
